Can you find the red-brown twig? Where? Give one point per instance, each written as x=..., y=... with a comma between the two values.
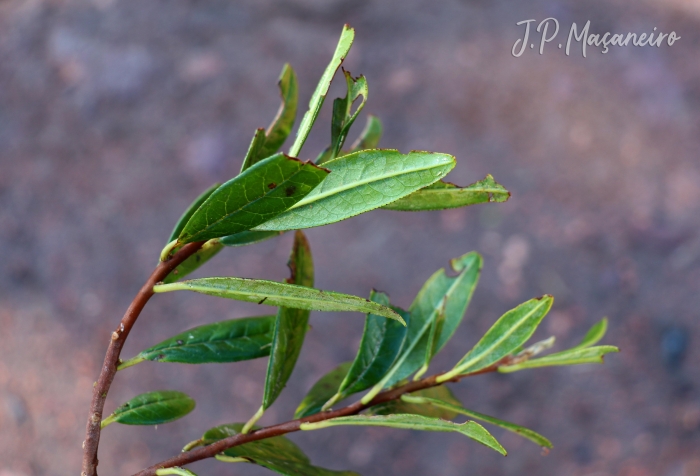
x=214, y=449
x=109, y=367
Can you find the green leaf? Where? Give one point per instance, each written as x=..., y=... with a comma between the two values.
x=204, y=254
x=442, y=195
x=470, y=429
x=381, y=343
x=260, y=193
x=360, y=182
x=441, y=392
x=456, y=292
x=265, y=144
x=343, y=117
x=322, y=391
x=370, y=135
x=575, y=356
x=290, y=326
x=254, y=149
x=511, y=331
x=226, y=341
x=277, y=453
x=177, y=471
x=152, y=408
x=190, y=211
x=248, y=237
x=433, y=338
x=319, y=95
x=594, y=334
x=459, y=409
x=272, y=293
x=282, y=125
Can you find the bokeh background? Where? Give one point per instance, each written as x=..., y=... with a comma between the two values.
x=115, y=114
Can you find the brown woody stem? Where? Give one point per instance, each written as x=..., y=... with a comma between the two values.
x=109, y=367
x=214, y=449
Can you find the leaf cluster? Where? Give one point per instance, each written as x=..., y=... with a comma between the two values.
x=276, y=192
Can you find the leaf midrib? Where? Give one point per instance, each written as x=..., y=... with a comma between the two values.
x=504, y=336
x=246, y=205
x=321, y=195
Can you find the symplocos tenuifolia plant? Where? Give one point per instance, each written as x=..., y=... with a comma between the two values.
x=275, y=193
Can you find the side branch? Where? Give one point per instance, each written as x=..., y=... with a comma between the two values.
x=109, y=367
x=214, y=449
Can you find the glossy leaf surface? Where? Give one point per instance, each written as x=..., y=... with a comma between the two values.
x=272, y=293
x=370, y=135
x=441, y=393
x=152, y=408
x=290, y=325
x=258, y=194
x=277, y=454
x=509, y=332
x=382, y=340
x=442, y=195
x=452, y=292
x=343, y=117
x=226, y=341
x=322, y=391
x=470, y=429
x=459, y=409
x=190, y=211
x=361, y=182
x=346, y=38
x=576, y=356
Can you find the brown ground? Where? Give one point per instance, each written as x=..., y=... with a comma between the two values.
x=115, y=114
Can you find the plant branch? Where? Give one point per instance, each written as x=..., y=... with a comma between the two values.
x=216, y=448
x=109, y=367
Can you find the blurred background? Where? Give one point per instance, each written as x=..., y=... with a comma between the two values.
x=115, y=114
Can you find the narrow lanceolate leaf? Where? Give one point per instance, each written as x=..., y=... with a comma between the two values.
x=319, y=95
x=414, y=422
x=370, y=135
x=190, y=211
x=381, y=343
x=361, y=182
x=441, y=393
x=459, y=409
x=260, y=193
x=272, y=293
x=204, y=254
x=442, y=195
x=594, y=334
x=226, y=341
x=152, y=408
x=322, y=391
x=575, y=356
x=248, y=237
x=266, y=143
x=454, y=293
x=277, y=454
x=343, y=117
x=290, y=325
x=511, y=331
